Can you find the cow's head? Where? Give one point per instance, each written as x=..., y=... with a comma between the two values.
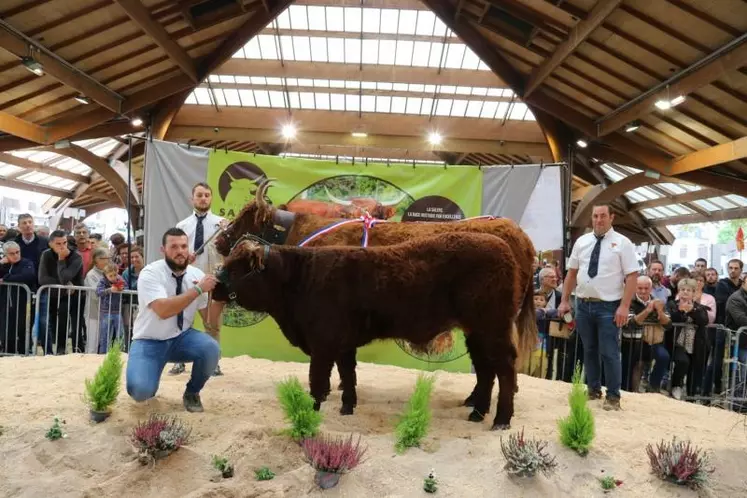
x=251, y=220
x=238, y=274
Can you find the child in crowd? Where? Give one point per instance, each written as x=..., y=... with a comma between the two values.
x=537, y=364
x=110, y=306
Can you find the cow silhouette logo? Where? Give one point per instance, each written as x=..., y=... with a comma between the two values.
x=241, y=175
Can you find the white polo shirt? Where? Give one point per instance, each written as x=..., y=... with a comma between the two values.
x=617, y=259
x=157, y=282
x=207, y=260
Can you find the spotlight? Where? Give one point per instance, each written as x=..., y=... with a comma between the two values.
x=136, y=121
x=633, y=126
x=668, y=104
x=677, y=100
x=582, y=143
x=33, y=65
x=82, y=99
x=359, y=134
x=434, y=138
x=289, y=131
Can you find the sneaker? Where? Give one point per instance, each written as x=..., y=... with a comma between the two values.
x=677, y=393
x=611, y=404
x=192, y=402
x=177, y=369
x=595, y=395
x=217, y=372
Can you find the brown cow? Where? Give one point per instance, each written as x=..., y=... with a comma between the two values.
x=282, y=227
x=330, y=300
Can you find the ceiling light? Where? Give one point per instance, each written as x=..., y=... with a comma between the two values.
x=663, y=104
x=677, y=100
x=359, y=134
x=289, y=131
x=633, y=126
x=136, y=121
x=582, y=143
x=82, y=99
x=434, y=138
x=595, y=159
x=33, y=65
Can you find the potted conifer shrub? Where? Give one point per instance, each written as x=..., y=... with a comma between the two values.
x=102, y=391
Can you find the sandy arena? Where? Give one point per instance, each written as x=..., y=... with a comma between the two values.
x=242, y=421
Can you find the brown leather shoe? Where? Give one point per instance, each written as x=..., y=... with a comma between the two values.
x=611, y=404
x=595, y=395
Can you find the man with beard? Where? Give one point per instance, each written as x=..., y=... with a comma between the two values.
x=658, y=289
x=711, y=276
x=674, y=279
x=199, y=227
x=170, y=292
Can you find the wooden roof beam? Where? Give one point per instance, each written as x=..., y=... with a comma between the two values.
x=142, y=17
x=22, y=129
x=33, y=187
x=63, y=72
x=721, y=215
x=678, y=199
x=707, y=70
x=28, y=165
x=578, y=34
x=718, y=154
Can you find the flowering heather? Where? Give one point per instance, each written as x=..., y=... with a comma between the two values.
x=158, y=434
x=680, y=462
x=333, y=455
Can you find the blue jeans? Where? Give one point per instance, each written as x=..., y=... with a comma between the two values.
x=595, y=322
x=110, y=327
x=661, y=365
x=148, y=358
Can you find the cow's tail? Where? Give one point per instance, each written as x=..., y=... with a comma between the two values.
x=526, y=324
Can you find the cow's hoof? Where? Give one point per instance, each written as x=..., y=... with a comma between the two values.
x=317, y=405
x=470, y=401
x=500, y=427
x=476, y=416
x=347, y=409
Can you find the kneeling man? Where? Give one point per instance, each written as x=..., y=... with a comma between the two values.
x=170, y=292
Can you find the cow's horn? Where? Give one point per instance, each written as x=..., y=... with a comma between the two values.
x=396, y=201
x=262, y=191
x=335, y=199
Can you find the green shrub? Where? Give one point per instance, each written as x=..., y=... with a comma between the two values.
x=223, y=465
x=414, y=422
x=298, y=406
x=264, y=474
x=55, y=432
x=103, y=390
x=577, y=429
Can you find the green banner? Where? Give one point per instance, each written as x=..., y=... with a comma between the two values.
x=395, y=192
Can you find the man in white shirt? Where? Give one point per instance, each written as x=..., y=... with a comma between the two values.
x=170, y=292
x=603, y=269
x=199, y=227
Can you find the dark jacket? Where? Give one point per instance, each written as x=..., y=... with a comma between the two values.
x=724, y=289
x=34, y=250
x=710, y=289
x=736, y=314
x=52, y=271
x=698, y=316
x=23, y=272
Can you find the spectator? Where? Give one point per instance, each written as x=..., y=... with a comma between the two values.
x=537, y=362
x=95, y=274
x=645, y=311
x=110, y=306
x=677, y=275
x=658, y=289
x=130, y=275
x=60, y=266
x=42, y=231
x=116, y=240
x=736, y=318
x=688, y=335
x=705, y=300
x=701, y=264
x=14, y=270
x=535, y=272
x=728, y=286
x=83, y=246
x=32, y=245
x=171, y=292
x=711, y=277
x=11, y=235
x=600, y=262
x=3, y=231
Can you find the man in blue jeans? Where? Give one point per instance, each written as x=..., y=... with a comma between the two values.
x=603, y=269
x=170, y=292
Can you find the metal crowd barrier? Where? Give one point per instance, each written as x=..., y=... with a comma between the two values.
x=71, y=319
x=15, y=304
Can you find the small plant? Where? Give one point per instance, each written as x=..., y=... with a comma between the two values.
x=159, y=436
x=680, y=462
x=103, y=390
x=298, y=406
x=333, y=455
x=223, y=465
x=55, y=432
x=264, y=474
x=609, y=483
x=416, y=418
x=525, y=457
x=577, y=429
x=430, y=484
